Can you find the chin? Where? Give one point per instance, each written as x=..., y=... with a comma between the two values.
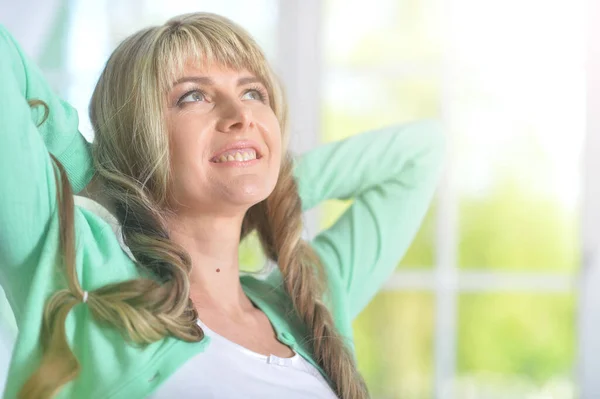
x=249, y=190
x=249, y=196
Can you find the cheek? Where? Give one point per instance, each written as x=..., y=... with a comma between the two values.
x=276, y=157
x=273, y=138
x=187, y=153
x=187, y=139
x=277, y=150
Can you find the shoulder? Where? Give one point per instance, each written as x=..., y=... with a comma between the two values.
x=102, y=256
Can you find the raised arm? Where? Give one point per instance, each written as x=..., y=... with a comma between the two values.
x=391, y=174
x=27, y=183
x=60, y=131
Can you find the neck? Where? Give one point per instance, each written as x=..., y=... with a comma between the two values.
x=212, y=243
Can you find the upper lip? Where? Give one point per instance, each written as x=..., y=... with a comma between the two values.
x=238, y=145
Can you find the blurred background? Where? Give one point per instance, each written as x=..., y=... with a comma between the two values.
x=498, y=297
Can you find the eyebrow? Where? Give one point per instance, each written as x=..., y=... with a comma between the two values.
x=205, y=80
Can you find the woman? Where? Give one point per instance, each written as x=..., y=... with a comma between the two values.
x=190, y=155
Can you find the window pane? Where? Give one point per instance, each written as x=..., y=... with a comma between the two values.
x=515, y=345
x=354, y=102
x=517, y=111
x=381, y=33
x=251, y=256
x=394, y=345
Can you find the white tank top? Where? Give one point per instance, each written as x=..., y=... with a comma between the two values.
x=226, y=370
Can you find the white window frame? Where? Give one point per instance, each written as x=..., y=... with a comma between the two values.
x=298, y=63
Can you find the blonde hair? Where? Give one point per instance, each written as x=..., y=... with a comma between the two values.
x=131, y=156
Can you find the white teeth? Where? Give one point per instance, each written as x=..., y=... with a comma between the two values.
x=239, y=156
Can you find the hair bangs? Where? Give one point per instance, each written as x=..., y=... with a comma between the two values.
x=201, y=44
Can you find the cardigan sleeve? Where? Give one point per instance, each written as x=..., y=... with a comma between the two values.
x=391, y=175
x=28, y=184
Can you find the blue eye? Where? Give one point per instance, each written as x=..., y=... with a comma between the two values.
x=253, y=94
x=192, y=96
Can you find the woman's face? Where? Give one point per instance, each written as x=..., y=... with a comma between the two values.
x=225, y=140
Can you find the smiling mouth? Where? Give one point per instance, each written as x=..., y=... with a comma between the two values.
x=238, y=155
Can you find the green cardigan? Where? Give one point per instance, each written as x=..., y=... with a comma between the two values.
x=390, y=174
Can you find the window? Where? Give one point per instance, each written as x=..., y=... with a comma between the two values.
x=490, y=276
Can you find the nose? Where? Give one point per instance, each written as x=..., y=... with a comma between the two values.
x=234, y=116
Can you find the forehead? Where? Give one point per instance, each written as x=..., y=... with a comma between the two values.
x=214, y=74
x=210, y=73
x=213, y=70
